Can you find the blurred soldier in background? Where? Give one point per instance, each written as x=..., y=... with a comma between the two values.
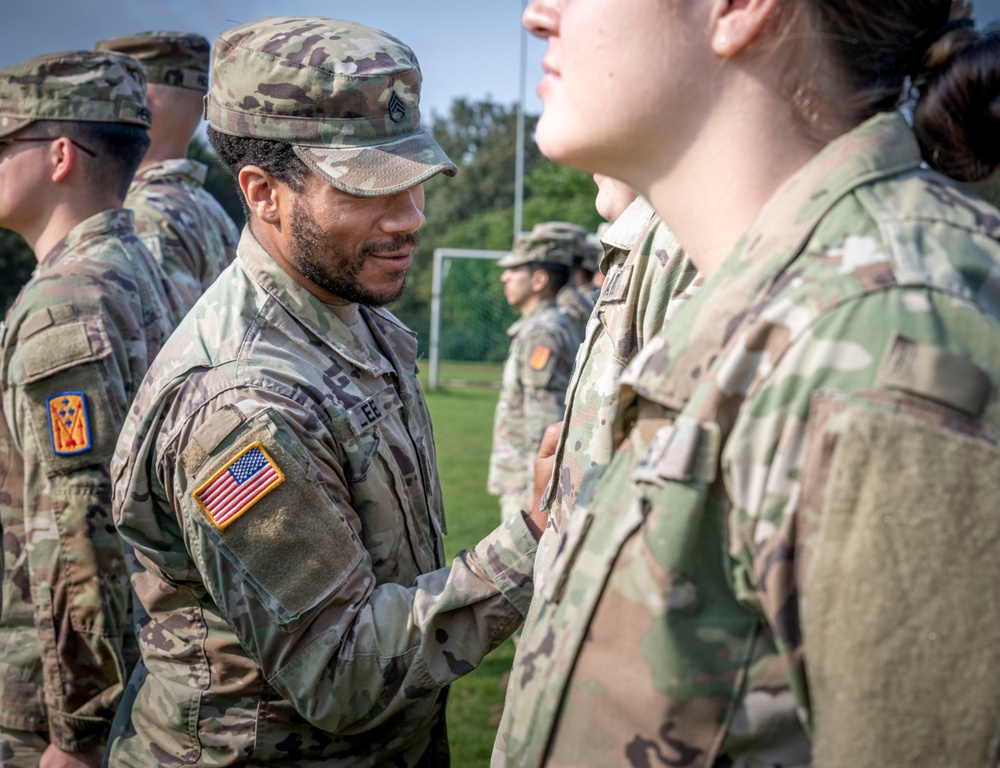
x=76, y=344
x=586, y=265
x=181, y=223
x=277, y=479
x=576, y=298
x=543, y=344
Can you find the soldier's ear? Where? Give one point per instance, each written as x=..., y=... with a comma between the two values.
x=539, y=280
x=63, y=157
x=263, y=193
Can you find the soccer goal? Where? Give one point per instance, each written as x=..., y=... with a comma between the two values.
x=469, y=317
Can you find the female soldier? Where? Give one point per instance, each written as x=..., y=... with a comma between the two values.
x=790, y=559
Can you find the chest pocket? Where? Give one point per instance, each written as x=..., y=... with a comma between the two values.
x=385, y=472
x=358, y=432
x=643, y=594
x=684, y=451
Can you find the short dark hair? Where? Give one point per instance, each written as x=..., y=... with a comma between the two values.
x=119, y=147
x=559, y=275
x=275, y=157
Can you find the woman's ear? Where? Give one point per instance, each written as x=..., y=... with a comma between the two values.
x=738, y=23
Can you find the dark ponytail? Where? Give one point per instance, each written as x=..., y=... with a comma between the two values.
x=957, y=113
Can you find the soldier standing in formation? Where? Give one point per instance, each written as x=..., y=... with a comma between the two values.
x=786, y=561
x=576, y=304
x=277, y=479
x=647, y=276
x=76, y=344
x=180, y=222
x=543, y=345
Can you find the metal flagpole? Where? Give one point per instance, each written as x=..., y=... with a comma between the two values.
x=519, y=157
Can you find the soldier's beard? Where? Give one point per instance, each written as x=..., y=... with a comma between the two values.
x=336, y=270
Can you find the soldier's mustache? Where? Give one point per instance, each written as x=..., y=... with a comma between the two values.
x=396, y=243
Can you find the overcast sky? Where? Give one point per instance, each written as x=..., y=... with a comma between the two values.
x=467, y=48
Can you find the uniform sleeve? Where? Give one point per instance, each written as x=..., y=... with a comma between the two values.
x=861, y=473
x=545, y=364
x=268, y=517
x=68, y=403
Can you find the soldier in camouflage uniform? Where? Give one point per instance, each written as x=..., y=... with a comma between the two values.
x=587, y=264
x=543, y=345
x=576, y=304
x=277, y=479
x=647, y=277
x=786, y=562
x=181, y=223
x=76, y=344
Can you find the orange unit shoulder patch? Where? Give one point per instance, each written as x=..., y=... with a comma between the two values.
x=68, y=423
x=540, y=357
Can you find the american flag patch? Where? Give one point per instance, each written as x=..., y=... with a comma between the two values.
x=244, y=481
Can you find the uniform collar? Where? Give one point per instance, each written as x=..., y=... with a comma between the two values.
x=882, y=147
x=115, y=221
x=537, y=309
x=398, y=343
x=626, y=231
x=192, y=170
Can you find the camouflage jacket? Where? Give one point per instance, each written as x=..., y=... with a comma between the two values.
x=778, y=566
x=184, y=227
x=647, y=275
x=577, y=305
x=543, y=345
x=76, y=344
x=277, y=482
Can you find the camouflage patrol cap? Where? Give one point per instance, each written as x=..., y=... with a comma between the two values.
x=81, y=86
x=344, y=95
x=171, y=58
x=551, y=242
x=588, y=255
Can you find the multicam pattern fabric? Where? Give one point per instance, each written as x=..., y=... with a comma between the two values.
x=550, y=242
x=648, y=275
x=319, y=627
x=577, y=306
x=178, y=59
x=76, y=85
x=543, y=345
x=85, y=327
x=776, y=568
x=346, y=95
x=182, y=225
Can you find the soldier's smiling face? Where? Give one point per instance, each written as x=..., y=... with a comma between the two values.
x=354, y=249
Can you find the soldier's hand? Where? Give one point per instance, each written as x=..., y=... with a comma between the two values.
x=53, y=757
x=544, y=461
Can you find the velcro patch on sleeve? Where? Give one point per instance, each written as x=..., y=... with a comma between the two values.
x=237, y=486
x=540, y=357
x=69, y=426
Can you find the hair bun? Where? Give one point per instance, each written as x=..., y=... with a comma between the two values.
x=957, y=114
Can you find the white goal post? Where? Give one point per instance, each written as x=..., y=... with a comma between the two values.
x=440, y=273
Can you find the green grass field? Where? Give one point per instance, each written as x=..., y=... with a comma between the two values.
x=463, y=428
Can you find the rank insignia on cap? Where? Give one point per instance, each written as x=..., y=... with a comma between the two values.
x=68, y=423
x=540, y=357
x=246, y=479
x=397, y=109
